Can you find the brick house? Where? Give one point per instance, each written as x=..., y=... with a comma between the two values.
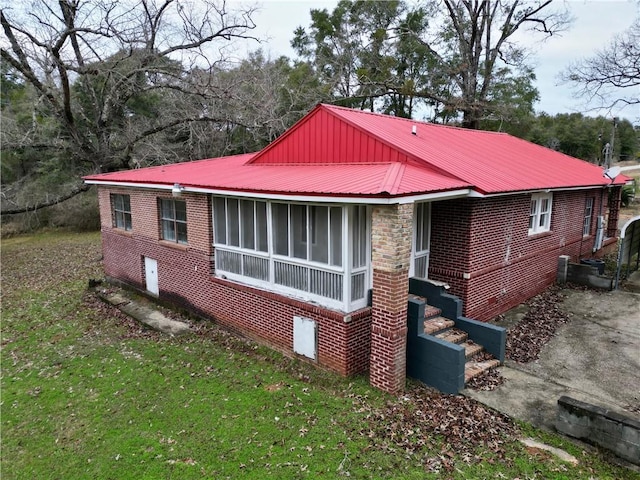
x=309, y=244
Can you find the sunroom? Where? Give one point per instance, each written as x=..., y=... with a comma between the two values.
x=316, y=252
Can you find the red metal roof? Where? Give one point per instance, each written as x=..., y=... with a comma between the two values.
x=493, y=162
x=339, y=151
x=236, y=174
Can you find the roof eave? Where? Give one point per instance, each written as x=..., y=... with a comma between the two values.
x=483, y=194
x=381, y=198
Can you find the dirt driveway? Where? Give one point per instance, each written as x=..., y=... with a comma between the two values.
x=594, y=358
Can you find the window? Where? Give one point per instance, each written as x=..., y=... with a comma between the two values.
x=422, y=227
x=322, y=225
x=173, y=220
x=422, y=223
x=588, y=212
x=294, y=248
x=359, y=236
x=121, y=211
x=540, y=213
x=240, y=223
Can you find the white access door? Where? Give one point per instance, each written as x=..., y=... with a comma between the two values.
x=151, y=275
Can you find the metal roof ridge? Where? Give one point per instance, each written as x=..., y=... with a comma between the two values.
x=392, y=178
x=411, y=120
x=316, y=164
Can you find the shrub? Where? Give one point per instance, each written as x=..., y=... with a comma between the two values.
x=628, y=194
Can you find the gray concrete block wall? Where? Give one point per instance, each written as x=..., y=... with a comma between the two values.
x=563, y=265
x=581, y=274
x=596, y=425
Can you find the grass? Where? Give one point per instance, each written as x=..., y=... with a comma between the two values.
x=87, y=393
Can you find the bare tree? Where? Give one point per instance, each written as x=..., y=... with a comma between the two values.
x=611, y=77
x=112, y=75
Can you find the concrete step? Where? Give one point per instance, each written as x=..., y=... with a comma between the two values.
x=471, y=348
x=437, y=324
x=453, y=335
x=472, y=368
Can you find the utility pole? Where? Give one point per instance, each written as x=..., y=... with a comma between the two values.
x=608, y=148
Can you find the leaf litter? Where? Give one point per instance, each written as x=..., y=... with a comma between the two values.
x=539, y=325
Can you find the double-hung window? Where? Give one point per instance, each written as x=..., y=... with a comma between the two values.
x=121, y=211
x=588, y=213
x=540, y=213
x=173, y=220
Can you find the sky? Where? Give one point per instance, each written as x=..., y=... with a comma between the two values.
x=595, y=24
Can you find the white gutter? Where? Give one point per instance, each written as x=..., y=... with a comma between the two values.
x=475, y=194
x=459, y=193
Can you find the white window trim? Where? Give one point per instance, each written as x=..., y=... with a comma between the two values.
x=122, y=212
x=536, y=213
x=173, y=219
x=346, y=270
x=415, y=253
x=588, y=215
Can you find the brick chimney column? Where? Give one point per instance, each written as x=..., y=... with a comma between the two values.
x=391, y=236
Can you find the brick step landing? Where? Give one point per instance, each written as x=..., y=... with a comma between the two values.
x=473, y=369
x=452, y=335
x=429, y=310
x=471, y=348
x=437, y=324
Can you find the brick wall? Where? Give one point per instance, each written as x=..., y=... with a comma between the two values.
x=185, y=279
x=482, y=249
x=391, y=227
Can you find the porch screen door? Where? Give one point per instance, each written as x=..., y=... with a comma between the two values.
x=421, y=239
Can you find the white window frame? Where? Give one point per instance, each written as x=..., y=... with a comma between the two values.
x=421, y=233
x=171, y=218
x=120, y=214
x=588, y=215
x=540, y=211
x=258, y=268
x=257, y=240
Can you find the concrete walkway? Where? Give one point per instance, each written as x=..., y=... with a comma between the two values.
x=146, y=315
x=595, y=358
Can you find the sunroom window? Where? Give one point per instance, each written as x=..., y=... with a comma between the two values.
x=240, y=223
x=295, y=248
x=316, y=232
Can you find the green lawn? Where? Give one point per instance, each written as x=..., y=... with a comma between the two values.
x=87, y=393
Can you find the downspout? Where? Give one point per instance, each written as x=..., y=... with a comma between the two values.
x=597, y=244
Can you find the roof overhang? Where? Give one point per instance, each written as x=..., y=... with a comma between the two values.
x=476, y=194
x=293, y=197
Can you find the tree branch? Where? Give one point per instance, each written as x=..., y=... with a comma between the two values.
x=47, y=203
